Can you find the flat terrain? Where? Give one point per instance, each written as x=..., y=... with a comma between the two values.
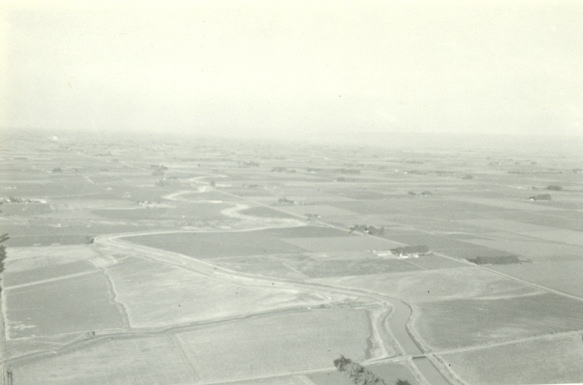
x=550, y=361
x=78, y=303
x=458, y=323
x=139, y=360
x=209, y=245
x=277, y=344
x=436, y=285
x=178, y=296
x=166, y=261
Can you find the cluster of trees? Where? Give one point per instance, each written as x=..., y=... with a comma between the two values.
x=285, y=202
x=423, y=193
x=540, y=197
x=158, y=169
x=360, y=375
x=554, y=188
x=313, y=217
x=368, y=229
x=499, y=260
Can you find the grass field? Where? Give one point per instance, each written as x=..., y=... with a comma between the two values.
x=131, y=214
x=265, y=212
x=324, y=210
x=270, y=265
x=29, y=258
x=74, y=231
x=40, y=190
x=77, y=304
x=26, y=209
x=306, y=232
x=350, y=243
x=277, y=344
x=514, y=205
x=210, y=195
x=466, y=322
x=431, y=262
x=530, y=249
x=177, y=296
x=514, y=226
x=546, y=216
x=11, y=278
x=562, y=275
x=332, y=267
x=209, y=245
x=154, y=360
x=547, y=361
x=435, y=207
x=48, y=240
x=25, y=346
x=198, y=211
x=434, y=285
x=254, y=193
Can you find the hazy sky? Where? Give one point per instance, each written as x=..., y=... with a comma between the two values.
x=294, y=68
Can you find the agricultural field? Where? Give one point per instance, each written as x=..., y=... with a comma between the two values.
x=79, y=303
x=466, y=322
x=545, y=273
x=273, y=265
x=265, y=212
x=203, y=261
x=45, y=260
x=217, y=244
x=277, y=344
x=180, y=296
x=148, y=360
x=553, y=360
x=418, y=286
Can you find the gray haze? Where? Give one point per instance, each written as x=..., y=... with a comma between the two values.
x=257, y=69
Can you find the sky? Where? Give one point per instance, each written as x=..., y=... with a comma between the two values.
x=259, y=68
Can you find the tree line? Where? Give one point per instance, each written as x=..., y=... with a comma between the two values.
x=360, y=375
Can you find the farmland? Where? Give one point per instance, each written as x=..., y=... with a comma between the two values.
x=545, y=360
x=207, y=261
x=64, y=310
x=428, y=286
x=459, y=323
x=277, y=344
